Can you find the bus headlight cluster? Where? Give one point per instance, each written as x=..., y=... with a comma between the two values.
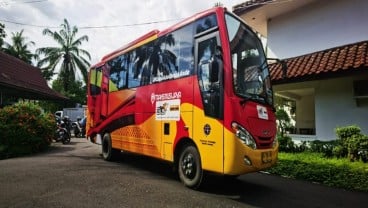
x=274, y=143
x=244, y=135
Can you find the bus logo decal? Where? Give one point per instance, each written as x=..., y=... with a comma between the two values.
x=262, y=112
x=165, y=96
x=207, y=129
x=168, y=110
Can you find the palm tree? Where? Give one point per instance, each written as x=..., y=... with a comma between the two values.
x=67, y=59
x=2, y=35
x=19, y=47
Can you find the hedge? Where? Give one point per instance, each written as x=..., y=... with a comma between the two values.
x=340, y=173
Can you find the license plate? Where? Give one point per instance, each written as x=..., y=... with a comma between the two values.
x=266, y=157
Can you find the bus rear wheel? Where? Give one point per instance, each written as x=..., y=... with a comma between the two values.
x=108, y=153
x=189, y=167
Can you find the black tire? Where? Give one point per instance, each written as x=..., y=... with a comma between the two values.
x=190, y=167
x=66, y=138
x=76, y=132
x=108, y=153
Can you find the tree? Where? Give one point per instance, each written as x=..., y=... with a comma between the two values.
x=68, y=58
x=76, y=92
x=19, y=47
x=219, y=4
x=283, y=120
x=2, y=34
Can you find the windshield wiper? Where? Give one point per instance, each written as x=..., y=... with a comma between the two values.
x=252, y=97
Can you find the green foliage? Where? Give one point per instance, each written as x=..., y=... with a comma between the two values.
x=19, y=47
x=24, y=130
x=283, y=120
x=67, y=58
x=324, y=147
x=77, y=92
x=314, y=167
x=351, y=143
x=346, y=132
x=339, y=151
x=286, y=144
x=2, y=34
x=356, y=144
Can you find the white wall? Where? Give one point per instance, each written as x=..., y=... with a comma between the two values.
x=336, y=107
x=318, y=26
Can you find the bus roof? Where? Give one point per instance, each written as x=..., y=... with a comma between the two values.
x=155, y=34
x=134, y=43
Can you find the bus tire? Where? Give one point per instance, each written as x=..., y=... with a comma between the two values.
x=190, y=167
x=108, y=153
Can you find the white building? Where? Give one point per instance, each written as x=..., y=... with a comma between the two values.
x=325, y=46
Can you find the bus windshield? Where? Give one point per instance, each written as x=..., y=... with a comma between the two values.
x=250, y=71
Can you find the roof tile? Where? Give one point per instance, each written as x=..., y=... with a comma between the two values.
x=25, y=79
x=343, y=58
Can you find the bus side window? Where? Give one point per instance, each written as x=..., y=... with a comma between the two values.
x=205, y=56
x=139, y=69
x=133, y=75
x=118, y=72
x=208, y=75
x=95, y=81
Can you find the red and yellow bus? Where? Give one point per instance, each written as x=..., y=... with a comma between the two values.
x=197, y=94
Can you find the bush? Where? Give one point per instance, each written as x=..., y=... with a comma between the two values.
x=332, y=172
x=346, y=132
x=24, y=130
x=324, y=147
x=339, y=151
x=286, y=144
x=352, y=143
x=357, y=144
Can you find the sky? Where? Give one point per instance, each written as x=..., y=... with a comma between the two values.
x=109, y=24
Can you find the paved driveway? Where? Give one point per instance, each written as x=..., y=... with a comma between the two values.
x=75, y=176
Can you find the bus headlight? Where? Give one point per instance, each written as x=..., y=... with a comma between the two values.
x=244, y=135
x=274, y=143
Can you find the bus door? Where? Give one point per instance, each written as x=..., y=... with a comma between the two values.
x=208, y=128
x=97, y=107
x=94, y=98
x=104, y=91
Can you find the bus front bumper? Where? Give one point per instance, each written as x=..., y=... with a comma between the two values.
x=246, y=160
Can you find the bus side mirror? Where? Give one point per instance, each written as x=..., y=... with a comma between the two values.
x=283, y=66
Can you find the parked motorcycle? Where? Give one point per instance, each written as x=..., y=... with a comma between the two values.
x=62, y=134
x=79, y=127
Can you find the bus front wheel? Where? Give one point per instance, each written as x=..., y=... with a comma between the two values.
x=108, y=153
x=190, y=168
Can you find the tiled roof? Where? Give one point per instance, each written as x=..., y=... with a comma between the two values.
x=249, y=5
x=328, y=63
x=22, y=80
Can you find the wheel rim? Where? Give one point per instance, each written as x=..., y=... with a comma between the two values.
x=189, y=166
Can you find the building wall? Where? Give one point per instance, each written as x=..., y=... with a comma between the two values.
x=318, y=26
x=305, y=112
x=335, y=107
x=332, y=105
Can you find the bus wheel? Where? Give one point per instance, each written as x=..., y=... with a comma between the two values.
x=190, y=168
x=108, y=153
